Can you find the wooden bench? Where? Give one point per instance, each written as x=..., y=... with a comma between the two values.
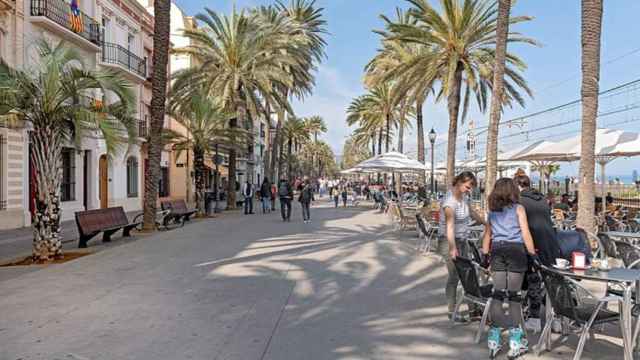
x=107, y=221
x=178, y=209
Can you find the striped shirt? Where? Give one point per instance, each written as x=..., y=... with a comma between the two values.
x=462, y=215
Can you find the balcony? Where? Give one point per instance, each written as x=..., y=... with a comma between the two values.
x=114, y=54
x=55, y=15
x=143, y=129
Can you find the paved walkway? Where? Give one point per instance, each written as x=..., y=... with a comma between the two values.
x=246, y=288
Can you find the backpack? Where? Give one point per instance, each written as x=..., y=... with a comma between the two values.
x=306, y=194
x=283, y=190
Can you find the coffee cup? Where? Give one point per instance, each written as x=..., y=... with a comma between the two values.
x=562, y=263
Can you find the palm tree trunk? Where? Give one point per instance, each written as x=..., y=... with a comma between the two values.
x=276, y=151
x=591, y=33
x=231, y=177
x=380, y=142
x=420, y=129
x=401, y=136
x=502, y=29
x=46, y=157
x=198, y=167
x=289, y=162
x=158, y=100
x=373, y=145
x=388, y=137
x=453, y=104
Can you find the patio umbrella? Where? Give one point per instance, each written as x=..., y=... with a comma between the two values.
x=610, y=144
x=392, y=162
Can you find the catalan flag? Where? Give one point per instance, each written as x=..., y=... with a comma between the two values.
x=75, y=20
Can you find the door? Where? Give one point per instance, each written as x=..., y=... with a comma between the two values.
x=104, y=182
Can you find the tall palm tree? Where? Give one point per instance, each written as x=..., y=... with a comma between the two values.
x=502, y=31
x=55, y=98
x=207, y=126
x=296, y=134
x=459, y=52
x=591, y=33
x=160, y=59
x=240, y=63
x=315, y=125
x=355, y=150
x=306, y=37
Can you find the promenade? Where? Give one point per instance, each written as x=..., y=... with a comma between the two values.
x=345, y=286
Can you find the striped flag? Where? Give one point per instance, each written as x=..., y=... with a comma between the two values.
x=75, y=20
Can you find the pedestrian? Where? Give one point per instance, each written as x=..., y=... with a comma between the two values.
x=455, y=216
x=274, y=193
x=334, y=195
x=544, y=240
x=305, y=199
x=507, y=241
x=248, y=192
x=344, y=195
x=285, y=192
x=265, y=196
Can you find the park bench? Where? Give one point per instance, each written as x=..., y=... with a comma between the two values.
x=178, y=209
x=107, y=221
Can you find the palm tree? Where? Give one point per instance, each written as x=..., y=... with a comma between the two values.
x=160, y=60
x=458, y=50
x=355, y=150
x=296, y=134
x=240, y=63
x=305, y=38
x=315, y=124
x=206, y=125
x=55, y=98
x=591, y=33
x=502, y=30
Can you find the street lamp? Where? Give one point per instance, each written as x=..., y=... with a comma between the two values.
x=432, y=140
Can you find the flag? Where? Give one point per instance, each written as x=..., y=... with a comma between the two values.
x=75, y=20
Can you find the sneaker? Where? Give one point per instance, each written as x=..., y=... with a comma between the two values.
x=494, y=341
x=459, y=318
x=533, y=324
x=518, y=344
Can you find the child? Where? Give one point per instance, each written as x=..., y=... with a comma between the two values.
x=508, y=241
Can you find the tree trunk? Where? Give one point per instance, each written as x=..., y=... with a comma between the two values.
x=158, y=101
x=47, y=161
x=591, y=32
x=380, y=142
x=198, y=166
x=420, y=129
x=388, y=137
x=502, y=29
x=289, y=158
x=373, y=145
x=453, y=104
x=231, y=181
x=401, y=136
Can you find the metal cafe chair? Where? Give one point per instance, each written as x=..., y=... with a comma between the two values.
x=472, y=290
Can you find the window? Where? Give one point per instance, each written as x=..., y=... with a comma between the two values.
x=106, y=29
x=3, y=200
x=163, y=187
x=68, y=185
x=132, y=177
x=262, y=132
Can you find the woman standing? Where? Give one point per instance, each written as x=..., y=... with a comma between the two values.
x=455, y=215
x=265, y=196
x=508, y=240
x=334, y=195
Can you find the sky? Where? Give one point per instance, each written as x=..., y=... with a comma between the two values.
x=553, y=68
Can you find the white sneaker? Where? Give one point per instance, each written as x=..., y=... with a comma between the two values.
x=533, y=324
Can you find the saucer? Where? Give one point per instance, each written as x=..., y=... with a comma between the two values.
x=561, y=267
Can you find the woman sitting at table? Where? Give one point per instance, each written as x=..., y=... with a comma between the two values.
x=508, y=240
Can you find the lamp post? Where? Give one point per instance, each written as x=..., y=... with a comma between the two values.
x=432, y=140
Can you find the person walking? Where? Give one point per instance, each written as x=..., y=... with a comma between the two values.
x=344, y=194
x=274, y=194
x=265, y=196
x=455, y=216
x=334, y=195
x=305, y=199
x=507, y=241
x=285, y=192
x=248, y=192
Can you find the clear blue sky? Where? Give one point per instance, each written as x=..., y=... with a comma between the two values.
x=553, y=74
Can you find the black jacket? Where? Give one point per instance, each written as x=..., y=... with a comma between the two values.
x=542, y=230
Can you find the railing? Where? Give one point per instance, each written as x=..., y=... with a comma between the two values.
x=143, y=129
x=116, y=54
x=59, y=12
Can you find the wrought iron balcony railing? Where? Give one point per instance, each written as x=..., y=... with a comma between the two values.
x=116, y=54
x=60, y=12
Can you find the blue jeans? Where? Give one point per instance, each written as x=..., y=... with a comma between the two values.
x=266, y=204
x=306, y=212
x=248, y=205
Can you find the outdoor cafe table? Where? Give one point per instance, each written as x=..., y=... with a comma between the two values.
x=625, y=277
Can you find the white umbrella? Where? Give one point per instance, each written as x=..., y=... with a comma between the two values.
x=610, y=144
x=392, y=162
